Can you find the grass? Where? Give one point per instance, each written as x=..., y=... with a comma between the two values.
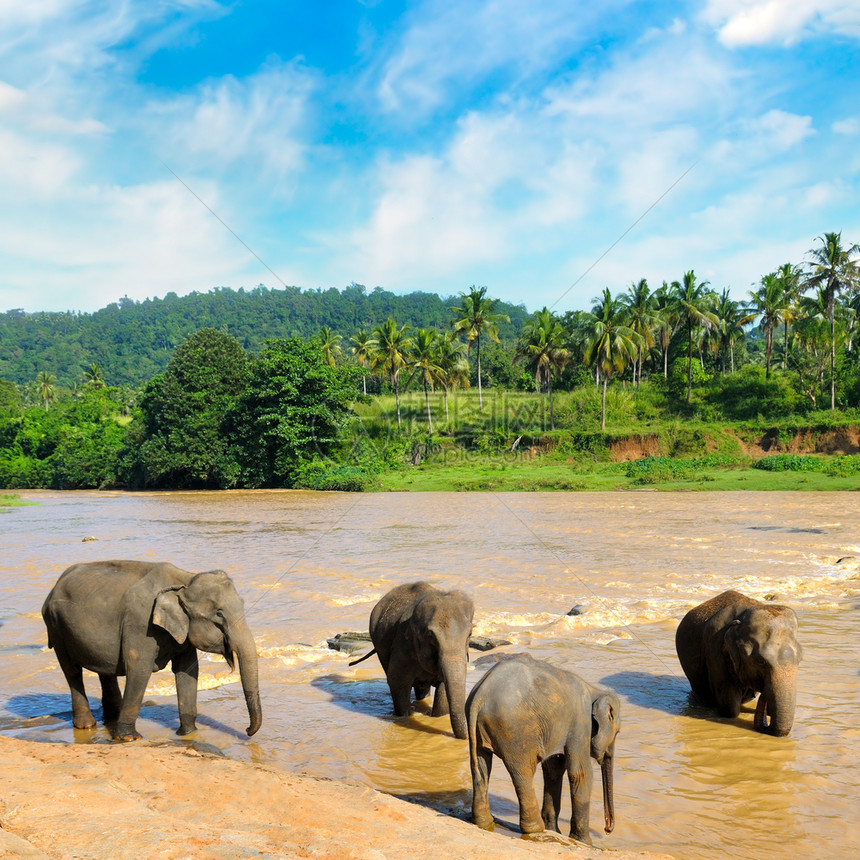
x=7, y=501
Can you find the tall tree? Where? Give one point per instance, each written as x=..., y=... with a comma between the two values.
x=363, y=348
x=642, y=318
x=693, y=305
x=831, y=266
x=425, y=361
x=611, y=343
x=789, y=277
x=453, y=364
x=393, y=347
x=330, y=343
x=666, y=321
x=542, y=347
x=767, y=302
x=731, y=317
x=46, y=385
x=475, y=316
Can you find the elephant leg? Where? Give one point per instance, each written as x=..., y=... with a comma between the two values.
x=553, y=775
x=400, y=679
x=580, y=778
x=111, y=698
x=138, y=667
x=481, y=767
x=422, y=691
x=441, y=707
x=82, y=715
x=729, y=700
x=522, y=775
x=185, y=670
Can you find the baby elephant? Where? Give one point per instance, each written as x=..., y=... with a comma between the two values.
x=732, y=647
x=529, y=712
x=421, y=635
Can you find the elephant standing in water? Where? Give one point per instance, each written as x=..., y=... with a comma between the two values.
x=732, y=647
x=133, y=617
x=421, y=635
x=529, y=712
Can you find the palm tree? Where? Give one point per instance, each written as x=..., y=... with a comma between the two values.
x=453, y=364
x=393, y=347
x=767, y=302
x=789, y=278
x=475, y=316
x=611, y=343
x=832, y=267
x=46, y=385
x=542, y=347
x=642, y=318
x=425, y=360
x=94, y=376
x=666, y=321
x=330, y=344
x=693, y=303
x=732, y=318
x=363, y=348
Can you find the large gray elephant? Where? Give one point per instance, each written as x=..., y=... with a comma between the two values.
x=732, y=647
x=421, y=635
x=133, y=617
x=529, y=712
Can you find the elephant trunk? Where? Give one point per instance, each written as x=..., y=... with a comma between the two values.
x=608, y=790
x=774, y=712
x=454, y=678
x=242, y=642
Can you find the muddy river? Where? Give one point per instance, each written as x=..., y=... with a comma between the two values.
x=310, y=565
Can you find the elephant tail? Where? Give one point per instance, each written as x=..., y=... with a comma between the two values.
x=362, y=659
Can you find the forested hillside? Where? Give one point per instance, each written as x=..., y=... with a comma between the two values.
x=133, y=341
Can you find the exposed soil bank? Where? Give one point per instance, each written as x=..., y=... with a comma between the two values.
x=110, y=802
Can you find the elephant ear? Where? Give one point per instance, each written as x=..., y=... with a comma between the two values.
x=604, y=714
x=734, y=643
x=169, y=614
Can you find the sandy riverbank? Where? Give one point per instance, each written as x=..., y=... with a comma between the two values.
x=142, y=800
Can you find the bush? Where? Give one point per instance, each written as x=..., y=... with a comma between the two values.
x=789, y=463
x=747, y=395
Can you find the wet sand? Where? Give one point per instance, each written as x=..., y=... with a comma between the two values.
x=141, y=800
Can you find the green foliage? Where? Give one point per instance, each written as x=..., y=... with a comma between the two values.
x=654, y=470
x=293, y=412
x=749, y=394
x=789, y=463
x=181, y=444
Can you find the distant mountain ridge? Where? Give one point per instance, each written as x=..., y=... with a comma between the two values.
x=132, y=341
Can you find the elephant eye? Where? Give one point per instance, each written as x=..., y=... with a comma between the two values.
x=219, y=614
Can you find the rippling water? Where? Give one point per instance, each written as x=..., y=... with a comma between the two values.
x=310, y=565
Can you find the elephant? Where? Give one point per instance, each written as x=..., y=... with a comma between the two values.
x=421, y=635
x=130, y=618
x=732, y=647
x=529, y=712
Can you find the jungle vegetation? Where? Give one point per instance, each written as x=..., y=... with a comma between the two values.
x=339, y=389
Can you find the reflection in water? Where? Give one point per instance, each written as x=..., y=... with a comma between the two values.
x=310, y=565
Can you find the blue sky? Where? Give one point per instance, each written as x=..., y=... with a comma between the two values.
x=420, y=145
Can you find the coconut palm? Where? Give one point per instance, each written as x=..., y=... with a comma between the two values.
x=330, y=343
x=425, y=360
x=453, y=363
x=611, y=343
x=642, y=318
x=475, y=316
x=693, y=306
x=833, y=268
x=46, y=386
x=363, y=348
x=542, y=347
x=94, y=376
x=767, y=302
x=789, y=278
x=393, y=346
x=666, y=322
x=732, y=317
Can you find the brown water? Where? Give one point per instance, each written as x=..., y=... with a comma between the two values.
x=310, y=565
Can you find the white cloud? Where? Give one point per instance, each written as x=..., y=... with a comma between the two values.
x=849, y=126
x=759, y=22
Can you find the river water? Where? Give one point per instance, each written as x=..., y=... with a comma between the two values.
x=310, y=565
